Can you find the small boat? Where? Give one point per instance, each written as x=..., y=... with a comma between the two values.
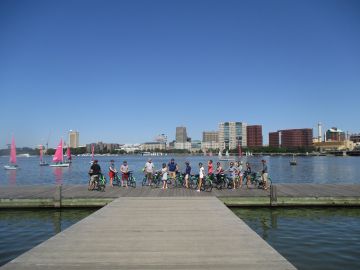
x=12, y=165
x=42, y=162
x=59, y=157
x=68, y=155
x=293, y=161
x=226, y=158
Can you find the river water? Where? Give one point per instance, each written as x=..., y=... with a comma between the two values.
x=321, y=169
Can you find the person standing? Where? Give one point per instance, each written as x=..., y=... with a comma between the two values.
x=239, y=173
x=210, y=168
x=201, y=176
x=112, y=172
x=232, y=172
x=149, y=171
x=94, y=172
x=264, y=174
x=164, y=176
x=187, y=173
x=173, y=168
x=124, y=174
x=247, y=174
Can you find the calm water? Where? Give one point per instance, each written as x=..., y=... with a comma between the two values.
x=308, y=170
x=312, y=238
x=22, y=230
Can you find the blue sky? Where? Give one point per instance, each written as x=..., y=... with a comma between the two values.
x=125, y=71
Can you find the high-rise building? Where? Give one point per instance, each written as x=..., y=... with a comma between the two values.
x=291, y=138
x=210, y=136
x=231, y=134
x=254, y=136
x=335, y=135
x=181, y=135
x=73, y=139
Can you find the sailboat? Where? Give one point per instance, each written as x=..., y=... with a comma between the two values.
x=92, y=154
x=13, y=165
x=68, y=155
x=42, y=162
x=293, y=161
x=59, y=157
x=227, y=156
x=220, y=154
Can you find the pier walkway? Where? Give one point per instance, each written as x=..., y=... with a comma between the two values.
x=155, y=233
x=278, y=195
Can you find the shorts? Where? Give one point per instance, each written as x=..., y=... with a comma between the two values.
x=172, y=175
x=265, y=177
x=125, y=176
x=111, y=174
x=149, y=175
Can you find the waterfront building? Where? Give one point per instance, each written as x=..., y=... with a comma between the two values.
x=274, y=139
x=73, y=139
x=195, y=145
x=183, y=145
x=291, y=138
x=210, y=136
x=327, y=146
x=161, y=138
x=254, y=136
x=231, y=134
x=181, y=135
x=335, y=135
x=355, y=138
x=205, y=146
x=153, y=146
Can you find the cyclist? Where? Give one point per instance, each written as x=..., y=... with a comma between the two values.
x=164, y=176
x=264, y=173
x=173, y=168
x=219, y=171
x=187, y=173
x=239, y=172
x=149, y=170
x=201, y=175
x=112, y=172
x=232, y=172
x=247, y=174
x=124, y=174
x=210, y=169
x=94, y=173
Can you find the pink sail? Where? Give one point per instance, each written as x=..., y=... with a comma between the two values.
x=92, y=152
x=58, y=157
x=41, y=153
x=13, y=152
x=68, y=153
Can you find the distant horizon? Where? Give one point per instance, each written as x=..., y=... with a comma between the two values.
x=126, y=71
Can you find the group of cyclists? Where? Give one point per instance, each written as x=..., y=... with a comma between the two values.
x=169, y=172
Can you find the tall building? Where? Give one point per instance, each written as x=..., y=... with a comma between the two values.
x=210, y=136
x=73, y=139
x=254, y=136
x=291, y=138
x=355, y=138
x=231, y=134
x=181, y=135
x=335, y=135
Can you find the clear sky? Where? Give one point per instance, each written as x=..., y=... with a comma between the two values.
x=125, y=71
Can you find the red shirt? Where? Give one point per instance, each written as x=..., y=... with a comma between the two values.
x=210, y=168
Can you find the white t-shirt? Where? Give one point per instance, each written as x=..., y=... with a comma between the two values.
x=202, y=172
x=124, y=169
x=149, y=167
x=164, y=173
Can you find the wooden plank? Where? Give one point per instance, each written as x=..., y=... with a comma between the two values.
x=155, y=233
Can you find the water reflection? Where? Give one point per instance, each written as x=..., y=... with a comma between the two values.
x=333, y=234
x=58, y=172
x=12, y=177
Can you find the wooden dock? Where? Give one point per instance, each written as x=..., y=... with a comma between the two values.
x=195, y=232
x=279, y=195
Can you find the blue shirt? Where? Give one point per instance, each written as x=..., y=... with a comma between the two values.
x=188, y=169
x=172, y=167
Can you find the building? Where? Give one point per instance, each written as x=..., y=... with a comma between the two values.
x=355, y=138
x=183, y=145
x=195, y=145
x=153, y=146
x=74, y=139
x=335, y=135
x=210, y=136
x=254, y=136
x=231, y=134
x=345, y=145
x=274, y=139
x=161, y=138
x=291, y=138
x=181, y=135
x=205, y=146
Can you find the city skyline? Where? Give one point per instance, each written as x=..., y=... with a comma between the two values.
x=124, y=72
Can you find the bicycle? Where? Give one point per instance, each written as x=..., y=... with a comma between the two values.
x=131, y=180
x=98, y=184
